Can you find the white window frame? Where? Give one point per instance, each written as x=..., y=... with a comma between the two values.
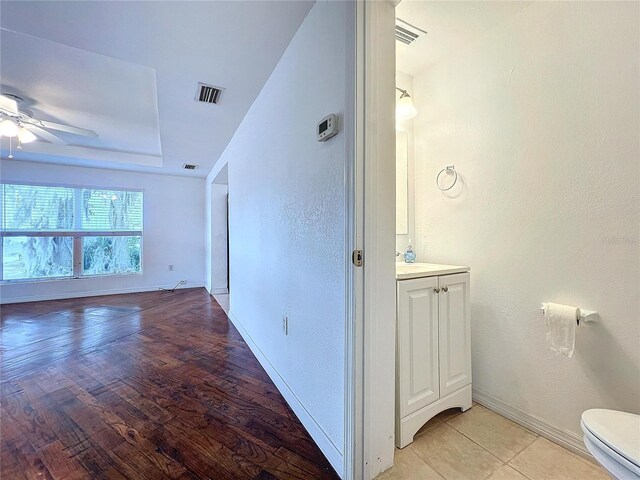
x=77, y=234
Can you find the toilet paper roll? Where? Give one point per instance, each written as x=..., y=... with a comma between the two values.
x=561, y=327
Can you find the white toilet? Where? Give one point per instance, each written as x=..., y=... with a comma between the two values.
x=613, y=438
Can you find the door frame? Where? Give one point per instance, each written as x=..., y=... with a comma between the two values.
x=370, y=226
x=354, y=115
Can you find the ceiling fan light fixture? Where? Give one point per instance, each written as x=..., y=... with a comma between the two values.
x=26, y=136
x=8, y=128
x=18, y=122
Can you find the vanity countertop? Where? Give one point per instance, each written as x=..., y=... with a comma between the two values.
x=405, y=271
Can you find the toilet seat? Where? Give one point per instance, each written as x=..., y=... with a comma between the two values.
x=614, y=439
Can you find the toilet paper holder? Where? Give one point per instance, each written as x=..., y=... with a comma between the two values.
x=581, y=315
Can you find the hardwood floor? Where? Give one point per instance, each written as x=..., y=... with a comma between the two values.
x=141, y=386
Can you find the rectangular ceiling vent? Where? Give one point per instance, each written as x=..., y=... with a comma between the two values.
x=407, y=33
x=208, y=93
x=189, y=166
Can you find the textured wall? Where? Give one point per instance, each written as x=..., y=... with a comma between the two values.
x=541, y=118
x=218, y=251
x=173, y=230
x=287, y=202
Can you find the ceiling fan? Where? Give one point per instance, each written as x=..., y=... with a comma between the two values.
x=19, y=122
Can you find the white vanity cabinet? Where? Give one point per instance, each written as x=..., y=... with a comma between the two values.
x=433, y=365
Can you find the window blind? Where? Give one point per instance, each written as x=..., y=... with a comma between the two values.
x=114, y=210
x=31, y=207
x=38, y=208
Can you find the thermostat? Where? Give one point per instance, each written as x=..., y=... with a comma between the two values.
x=328, y=127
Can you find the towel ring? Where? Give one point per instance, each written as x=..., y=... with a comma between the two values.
x=448, y=169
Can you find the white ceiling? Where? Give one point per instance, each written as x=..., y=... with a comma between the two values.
x=450, y=26
x=64, y=77
x=106, y=82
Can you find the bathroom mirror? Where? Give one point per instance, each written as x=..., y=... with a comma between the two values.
x=402, y=183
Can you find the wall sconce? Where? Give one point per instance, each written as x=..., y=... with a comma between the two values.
x=404, y=106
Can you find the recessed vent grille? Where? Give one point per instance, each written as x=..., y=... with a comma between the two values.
x=407, y=33
x=208, y=93
x=189, y=166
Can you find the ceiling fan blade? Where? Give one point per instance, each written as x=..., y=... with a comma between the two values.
x=41, y=132
x=68, y=128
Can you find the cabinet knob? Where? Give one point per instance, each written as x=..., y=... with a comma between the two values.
x=437, y=290
x=445, y=289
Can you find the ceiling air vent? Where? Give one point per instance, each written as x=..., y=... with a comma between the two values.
x=407, y=33
x=189, y=166
x=208, y=93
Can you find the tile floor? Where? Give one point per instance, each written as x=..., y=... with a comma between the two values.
x=480, y=444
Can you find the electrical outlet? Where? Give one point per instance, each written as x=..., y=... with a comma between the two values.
x=171, y=268
x=285, y=324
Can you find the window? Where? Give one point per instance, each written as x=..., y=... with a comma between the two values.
x=66, y=232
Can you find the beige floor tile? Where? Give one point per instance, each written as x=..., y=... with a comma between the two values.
x=453, y=455
x=438, y=419
x=449, y=414
x=493, y=432
x=409, y=466
x=544, y=460
x=506, y=473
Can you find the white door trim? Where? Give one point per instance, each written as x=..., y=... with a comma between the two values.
x=370, y=185
x=354, y=223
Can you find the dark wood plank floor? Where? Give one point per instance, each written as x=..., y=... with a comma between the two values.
x=141, y=386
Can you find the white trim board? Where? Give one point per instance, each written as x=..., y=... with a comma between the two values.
x=375, y=219
x=90, y=293
x=219, y=291
x=313, y=428
x=354, y=151
x=562, y=437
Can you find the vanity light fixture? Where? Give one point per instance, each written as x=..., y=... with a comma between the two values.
x=404, y=106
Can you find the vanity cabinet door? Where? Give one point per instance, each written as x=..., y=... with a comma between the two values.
x=417, y=356
x=455, y=333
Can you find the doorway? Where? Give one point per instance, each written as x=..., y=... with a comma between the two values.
x=219, y=269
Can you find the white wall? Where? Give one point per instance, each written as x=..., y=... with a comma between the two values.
x=287, y=226
x=541, y=118
x=218, y=272
x=173, y=231
x=211, y=248
x=208, y=253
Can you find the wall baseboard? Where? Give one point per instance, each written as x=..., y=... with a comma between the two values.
x=323, y=441
x=88, y=293
x=562, y=437
x=219, y=291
